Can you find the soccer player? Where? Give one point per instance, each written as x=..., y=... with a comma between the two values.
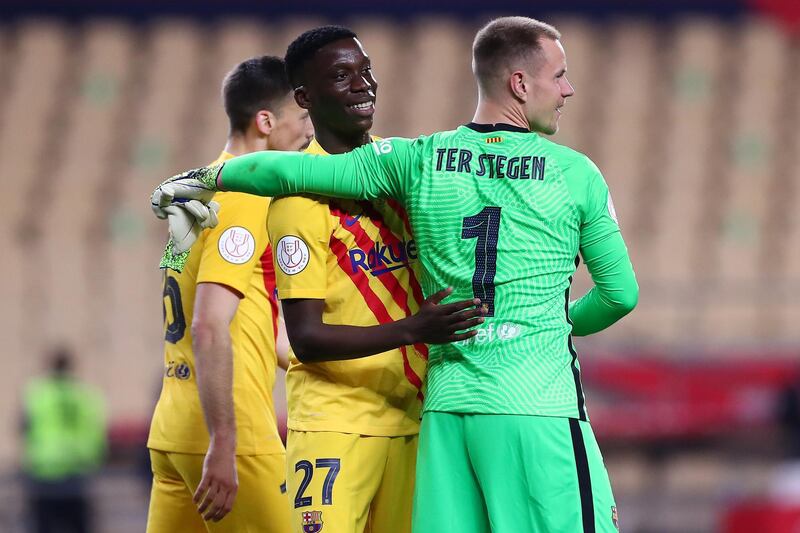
x=214, y=429
x=502, y=214
x=343, y=268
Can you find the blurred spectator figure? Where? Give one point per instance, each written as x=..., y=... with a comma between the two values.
x=64, y=442
x=789, y=418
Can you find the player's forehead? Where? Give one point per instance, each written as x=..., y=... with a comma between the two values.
x=344, y=52
x=553, y=54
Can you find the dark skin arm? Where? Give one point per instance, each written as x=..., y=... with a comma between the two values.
x=313, y=341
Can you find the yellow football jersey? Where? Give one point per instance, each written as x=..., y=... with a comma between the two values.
x=360, y=258
x=237, y=254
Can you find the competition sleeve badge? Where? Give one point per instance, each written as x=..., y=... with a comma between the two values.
x=611, y=211
x=291, y=254
x=312, y=521
x=236, y=245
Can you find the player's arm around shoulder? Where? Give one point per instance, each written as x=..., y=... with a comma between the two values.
x=388, y=166
x=603, y=249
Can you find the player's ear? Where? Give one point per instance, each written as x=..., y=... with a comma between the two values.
x=518, y=84
x=301, y=97
x=265, y=121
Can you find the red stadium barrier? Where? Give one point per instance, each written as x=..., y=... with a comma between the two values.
x=650, y=399
x=761, y=517
x=786, y=11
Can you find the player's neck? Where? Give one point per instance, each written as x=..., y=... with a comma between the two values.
x=491, y=112
x=239, y=144
x=337, y=143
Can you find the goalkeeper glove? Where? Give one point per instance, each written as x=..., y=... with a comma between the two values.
x=186, y=222
x=199, y=184
x=185, y=201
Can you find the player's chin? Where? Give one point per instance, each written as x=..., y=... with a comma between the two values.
x=363, y=122
x=357, y=124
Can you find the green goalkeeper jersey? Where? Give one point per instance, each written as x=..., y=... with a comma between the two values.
x=498, y=213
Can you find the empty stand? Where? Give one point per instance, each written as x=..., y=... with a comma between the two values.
x=71, y=254
x=160, y=139
x=235, y=41
x=746, y=179
x=631, y=123
x=439, y=91
x=35, y=61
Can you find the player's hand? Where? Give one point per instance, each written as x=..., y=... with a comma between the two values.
x=198, y=184
x=217, y=490
x=438, y=323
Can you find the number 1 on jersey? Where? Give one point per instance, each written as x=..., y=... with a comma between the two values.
x=485, y=226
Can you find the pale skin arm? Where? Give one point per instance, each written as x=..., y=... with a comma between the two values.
x=214, y=308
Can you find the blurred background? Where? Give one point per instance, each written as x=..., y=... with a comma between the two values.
x=690, y=109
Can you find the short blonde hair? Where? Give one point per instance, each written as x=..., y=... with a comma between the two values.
x=503, y=44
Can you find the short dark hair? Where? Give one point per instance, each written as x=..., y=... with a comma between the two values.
x=307, y=44
x=255, y=84
x=505, y=42
x=61, y=360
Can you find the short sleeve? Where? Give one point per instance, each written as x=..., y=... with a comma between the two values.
x=299, y=228
x=233, y=248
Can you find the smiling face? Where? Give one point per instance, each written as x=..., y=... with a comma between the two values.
x=549, y=88
x=339, y=88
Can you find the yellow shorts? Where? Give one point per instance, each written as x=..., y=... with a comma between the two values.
x=344, y=483
x=260, y=506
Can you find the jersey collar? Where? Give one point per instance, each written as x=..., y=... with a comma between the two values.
x=500, y=126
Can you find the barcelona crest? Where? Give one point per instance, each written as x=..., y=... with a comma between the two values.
x=312, y=521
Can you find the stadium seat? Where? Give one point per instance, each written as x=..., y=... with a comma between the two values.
x=438, y=91
x=749, y=176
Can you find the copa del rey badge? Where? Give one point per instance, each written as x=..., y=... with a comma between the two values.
x=291, y=254
x=236, y=245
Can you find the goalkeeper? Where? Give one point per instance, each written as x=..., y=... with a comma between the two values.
x=500, y=214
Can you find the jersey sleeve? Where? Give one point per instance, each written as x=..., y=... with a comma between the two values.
x=598, y=216
x=300, y=231
x=615, y=292
x=234, y=246
x=381, y=169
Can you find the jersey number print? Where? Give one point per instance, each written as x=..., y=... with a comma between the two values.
x=484, y=226
x=176, y=328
